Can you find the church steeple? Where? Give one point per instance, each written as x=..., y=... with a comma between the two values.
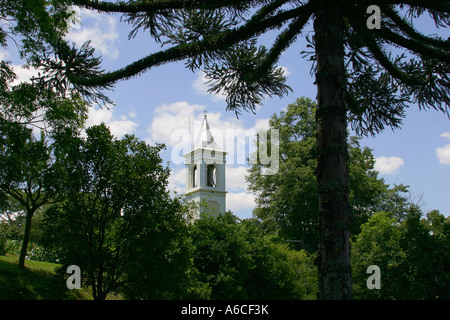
x=205, y=171
x=205, y=138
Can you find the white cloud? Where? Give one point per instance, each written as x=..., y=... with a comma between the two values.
x=23, y=74
x=201, y=87
x=285, y=71
x=446, y=135
x=98, y=28
x=388, y=165
x=443, y=154
x=3, y=54
x=119, y=127
x=177, y=180
x=261, y=124
x=240, y=201
x=170, y=119
x=235, y=178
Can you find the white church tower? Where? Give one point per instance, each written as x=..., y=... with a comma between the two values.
x=205, y=172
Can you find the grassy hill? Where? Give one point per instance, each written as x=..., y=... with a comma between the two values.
x=37, y=281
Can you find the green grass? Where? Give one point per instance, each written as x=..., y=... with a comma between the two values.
x=37, y=281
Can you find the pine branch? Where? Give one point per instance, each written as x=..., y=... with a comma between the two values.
x=155, y=6
x=411, y=31
x=283, y=41
x=438, y=5
x=414, y=45
x=254, y=27
x=371, y=43
x=424, y=81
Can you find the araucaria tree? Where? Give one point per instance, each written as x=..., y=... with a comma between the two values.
x=359, y=80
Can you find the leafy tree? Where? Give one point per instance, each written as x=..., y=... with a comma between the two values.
x=437, y=222
x=117, y=222
x=221, y=255
x=398, y=201
x=287, y=202
x=277, y=271
x=413, y=263
x=377, y=244
x=27, y=173
x=237, y=261
x=358, y=79
x=439, y=227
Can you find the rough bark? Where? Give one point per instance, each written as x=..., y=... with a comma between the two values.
x=334, y=266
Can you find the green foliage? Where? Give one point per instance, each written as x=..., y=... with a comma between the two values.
x=13, y=247
x=27, y=173
x=287, y=202
x=34, y=27
x=3, y=244
x=237, y=261
x=413, y=262
x=40, y=253
x=117, y=222
x=372, y=92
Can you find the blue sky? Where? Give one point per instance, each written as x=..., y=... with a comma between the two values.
x=157, y=106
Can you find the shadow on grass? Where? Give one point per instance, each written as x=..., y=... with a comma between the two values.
x=31, y=284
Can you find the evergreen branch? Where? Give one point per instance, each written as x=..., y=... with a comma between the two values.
x=371, y=43
x=154, y=6
x=414, y=45
x=411, y=31
x=425, y=80
x=283, y=41
x=439, y=5
x=381, y=57
x=255, y=26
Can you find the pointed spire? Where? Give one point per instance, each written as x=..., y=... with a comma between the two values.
x=205, y=138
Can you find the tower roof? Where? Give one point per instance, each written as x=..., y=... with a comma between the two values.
x=205, y=138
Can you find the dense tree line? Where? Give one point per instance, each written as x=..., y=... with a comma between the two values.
x=116, y=221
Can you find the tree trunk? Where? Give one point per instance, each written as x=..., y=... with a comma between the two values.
x=26, y=237
x=334, y=266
